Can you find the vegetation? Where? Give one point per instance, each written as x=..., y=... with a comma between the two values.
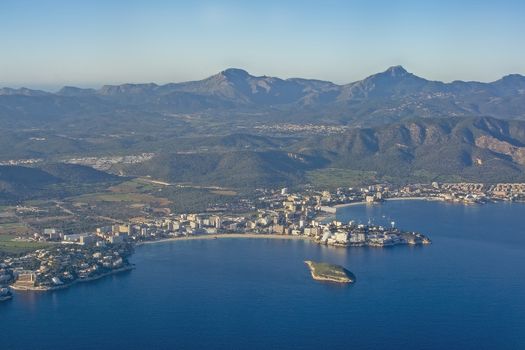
x=420, y=150
x=191, y=199
x=477, y=149
x=328, y=272
x=234, y=97
x=235, y=169
x=414, y=151
x=428, y=150
x=18, y=183
x=10, y=247
x=331, y=178
x=118, y=203
x=13, y=228
x=394, y=126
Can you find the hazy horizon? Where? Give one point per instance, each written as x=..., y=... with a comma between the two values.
x=53, y=43
x=56, y=87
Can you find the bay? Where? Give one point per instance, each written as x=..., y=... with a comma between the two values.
x=464, y=291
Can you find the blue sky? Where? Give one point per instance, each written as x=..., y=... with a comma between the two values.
x=46, y=43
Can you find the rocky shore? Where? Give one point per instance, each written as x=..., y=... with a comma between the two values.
x=67, y=285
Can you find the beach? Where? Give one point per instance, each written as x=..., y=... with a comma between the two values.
x=390, y=199
x=225, y=235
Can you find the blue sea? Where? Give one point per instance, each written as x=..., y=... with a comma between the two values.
x=465, y=291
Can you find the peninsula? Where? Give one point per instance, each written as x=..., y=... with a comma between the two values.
x=330, y=273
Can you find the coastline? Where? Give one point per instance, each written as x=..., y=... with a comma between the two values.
x=337, y=206
x=224, y=235
x=317, y=277
x=64, y=286
x=216, y=236
x=435, y=199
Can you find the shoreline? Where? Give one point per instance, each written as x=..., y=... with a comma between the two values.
x=317, y=277
x=64, y=286
x=224, y=235
x=436, y=199
x=432, y=199
x=211, y=237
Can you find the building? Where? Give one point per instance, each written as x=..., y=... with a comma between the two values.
x=52, y=234
x=116, y=239
x=278, y=229
x=25, y=279
x=87, y=240
x=341, y=237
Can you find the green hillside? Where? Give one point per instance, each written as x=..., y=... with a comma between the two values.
x=50, y=181
x=238, y=169
x=478, y=149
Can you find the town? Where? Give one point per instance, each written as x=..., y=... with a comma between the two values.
x=467, y=193
x=309, y=214
x=63, y=265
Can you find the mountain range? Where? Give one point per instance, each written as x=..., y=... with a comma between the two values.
x=421, y=150
x=392, y=126
x=389, y=96
x=478, y=149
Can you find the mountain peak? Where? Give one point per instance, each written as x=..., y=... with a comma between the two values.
x=235, y=73
x=513, y=77
x=396, y=71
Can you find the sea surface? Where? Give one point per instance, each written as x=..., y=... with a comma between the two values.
x=465, y=291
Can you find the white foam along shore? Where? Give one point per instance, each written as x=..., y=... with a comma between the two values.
x=224, y=235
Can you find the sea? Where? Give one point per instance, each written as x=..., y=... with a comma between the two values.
x=464, y=291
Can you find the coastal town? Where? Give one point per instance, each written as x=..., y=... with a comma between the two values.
x=274, y=213
x=464, y=192
x=64, y=265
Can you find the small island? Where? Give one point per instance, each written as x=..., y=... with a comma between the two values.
x=330, y=273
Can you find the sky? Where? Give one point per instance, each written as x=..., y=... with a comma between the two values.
x=88, y=43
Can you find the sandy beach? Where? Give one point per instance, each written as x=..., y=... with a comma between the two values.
x=390, y=199
x=225, y=235
x=416, y=199
x=337, y=206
